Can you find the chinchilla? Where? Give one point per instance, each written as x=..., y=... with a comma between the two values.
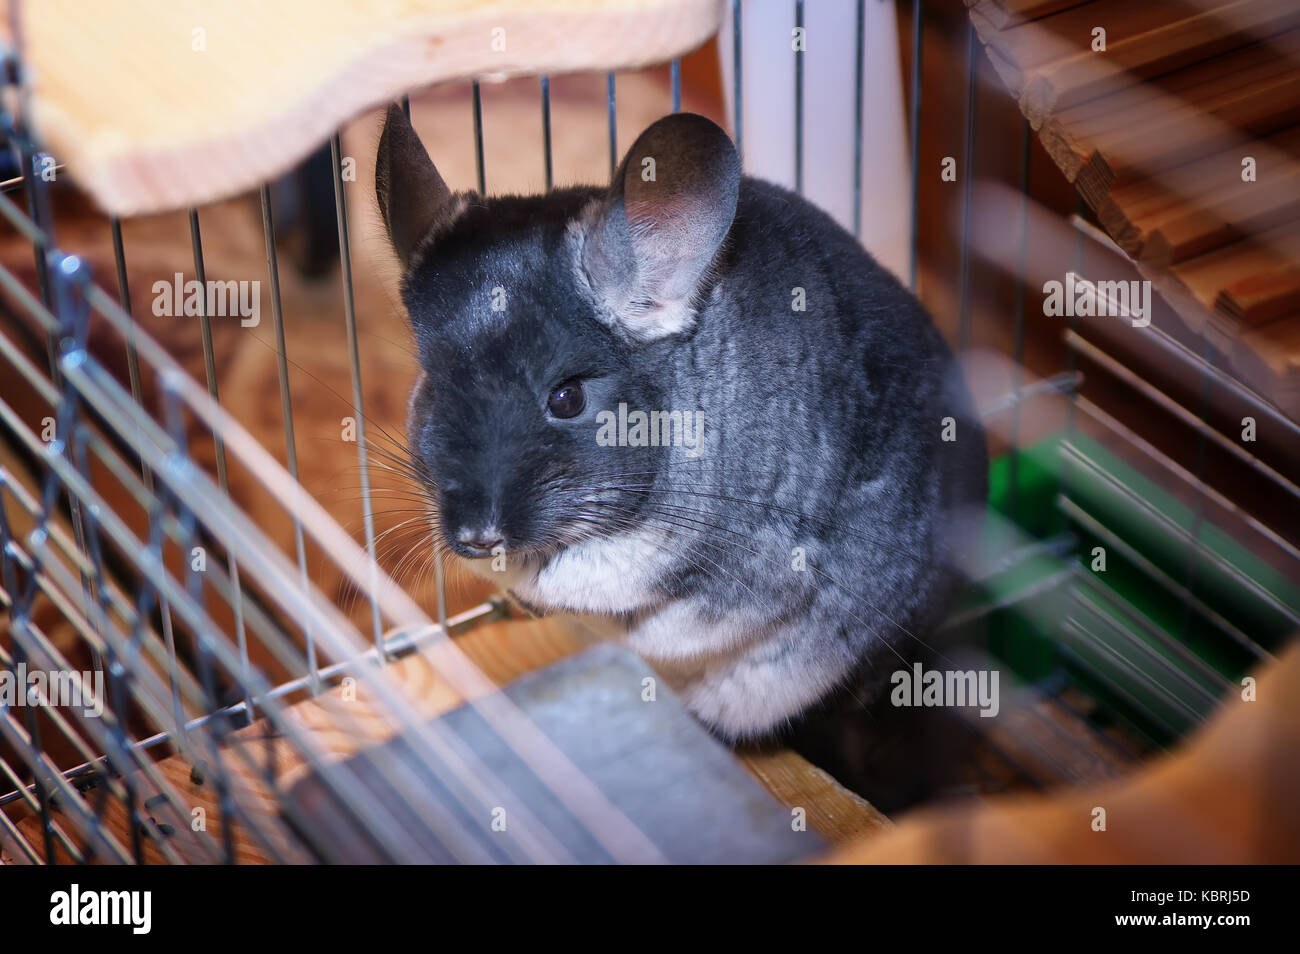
x=692, y=404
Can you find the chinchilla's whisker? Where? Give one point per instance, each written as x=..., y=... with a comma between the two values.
x=682, y=531
x=421, y=555
x=833, y=581
x=705, y=529
x=692, y=562
x=351, y=590
x=375, y=424
x=860, y=534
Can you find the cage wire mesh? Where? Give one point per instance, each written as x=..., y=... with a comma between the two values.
x=149, y=600
x=171, y=628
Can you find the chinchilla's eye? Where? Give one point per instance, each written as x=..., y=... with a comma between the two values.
x=567, y=400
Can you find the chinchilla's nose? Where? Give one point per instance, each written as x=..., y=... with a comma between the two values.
x=481, y=540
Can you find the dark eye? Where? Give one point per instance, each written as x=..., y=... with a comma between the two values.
x=567, y=400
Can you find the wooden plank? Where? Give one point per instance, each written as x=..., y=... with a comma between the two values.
x=1206, y=276
x=1065, y=34
x=1160, y=160
x=1271, y=353
x=1261, y=296
x=1250, y=92
x=201, y=103
x=1006, y=13
x=1227, y=796
x=504, y=650
x=1227, y=208
x=1133, y=54
x=834, y=812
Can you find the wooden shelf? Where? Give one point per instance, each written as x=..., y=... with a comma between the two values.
x=156, y=105
x=504, y=651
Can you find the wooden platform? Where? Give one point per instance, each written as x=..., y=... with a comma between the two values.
x=1154, y=132
x=504, y=650
x=1227, y=796
x=155, y=105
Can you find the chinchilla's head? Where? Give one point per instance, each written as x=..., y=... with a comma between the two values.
x=536, y=318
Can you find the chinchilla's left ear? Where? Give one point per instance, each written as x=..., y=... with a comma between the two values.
x=413, y=198
x=670, y=205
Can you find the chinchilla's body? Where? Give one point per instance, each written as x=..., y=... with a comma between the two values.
x=796, y=536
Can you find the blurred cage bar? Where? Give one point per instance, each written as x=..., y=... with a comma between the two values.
x=1124, y=441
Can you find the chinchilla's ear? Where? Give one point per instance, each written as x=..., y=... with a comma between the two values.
x=670, y=206
x=413, y=199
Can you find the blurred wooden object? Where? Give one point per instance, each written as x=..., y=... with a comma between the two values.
x=1157, y=131
x=155, y=105
x=504, y=651
x=1229, y=796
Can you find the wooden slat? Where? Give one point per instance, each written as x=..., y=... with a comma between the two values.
x=1254, y=91
x=1271, y=352
x=1206, y=276
x=1005, y=13
x=1137, y=50
x=1228, y=796
x=176, y=118
x=1230, y=208
x=1153, y=133
x=504, y=650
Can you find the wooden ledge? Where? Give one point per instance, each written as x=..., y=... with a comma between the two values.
x=156, y=105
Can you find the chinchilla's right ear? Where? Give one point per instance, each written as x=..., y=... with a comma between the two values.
x=413, y=198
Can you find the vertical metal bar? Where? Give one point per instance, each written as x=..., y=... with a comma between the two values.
x=124, y=295
x=286, y=414
x=210, y=370
x=358, y=400
x=967, y=188
x=137, y=393
x=73, y=278
x=675, y=79
x=175, y=424
x=207, y=677
x=613, y=124
x=20, y=597
x=476, y=98
x=1018, y=319
x=917, y=83
x=38, y=208
x=738, y=86
x=22, y=111
x=546, y=132
x=798, y=98
x=860, y=65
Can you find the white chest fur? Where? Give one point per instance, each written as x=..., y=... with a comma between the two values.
x=617, y=574
x=737, y=681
